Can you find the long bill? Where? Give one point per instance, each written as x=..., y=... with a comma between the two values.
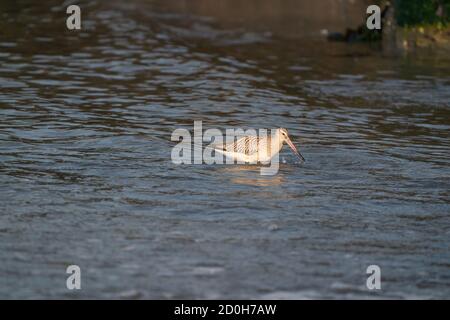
x=289, y=142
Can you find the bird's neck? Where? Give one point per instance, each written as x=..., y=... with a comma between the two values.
x=279, y=140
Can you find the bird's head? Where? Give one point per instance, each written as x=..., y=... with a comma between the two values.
x=285, y=138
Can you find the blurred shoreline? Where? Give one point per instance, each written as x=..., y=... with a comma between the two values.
x=284, y=18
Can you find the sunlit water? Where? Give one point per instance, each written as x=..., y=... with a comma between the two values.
x=86, y=176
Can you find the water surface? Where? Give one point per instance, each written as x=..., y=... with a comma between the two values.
x=86, y=176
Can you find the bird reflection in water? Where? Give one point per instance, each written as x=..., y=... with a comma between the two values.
x=250, y=175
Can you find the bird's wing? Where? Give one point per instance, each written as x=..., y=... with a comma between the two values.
x=247, y=145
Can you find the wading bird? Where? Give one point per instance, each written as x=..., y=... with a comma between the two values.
x=253, y=148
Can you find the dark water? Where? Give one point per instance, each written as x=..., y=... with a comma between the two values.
x=86, y=176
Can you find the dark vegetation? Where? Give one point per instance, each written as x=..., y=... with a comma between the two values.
x=422, y=12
